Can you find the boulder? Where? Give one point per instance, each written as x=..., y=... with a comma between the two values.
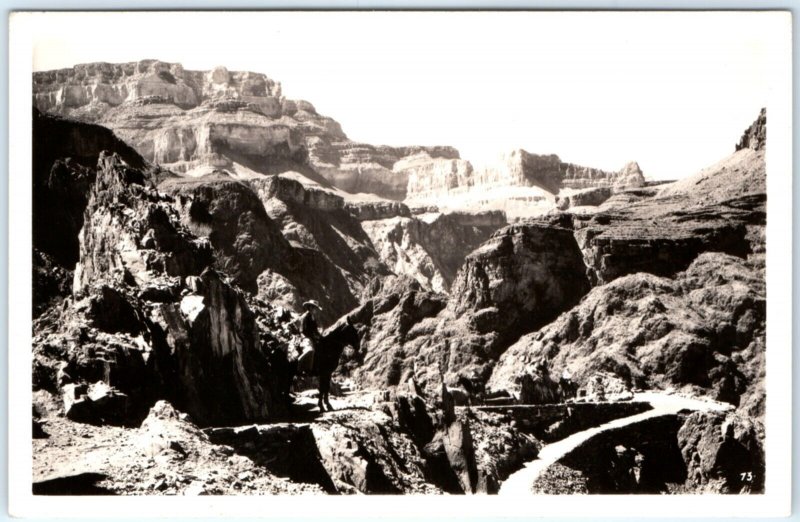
x=97, y=403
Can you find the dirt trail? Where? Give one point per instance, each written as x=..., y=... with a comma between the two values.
x=520, y=482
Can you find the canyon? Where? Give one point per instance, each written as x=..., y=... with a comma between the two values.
x=182, y=218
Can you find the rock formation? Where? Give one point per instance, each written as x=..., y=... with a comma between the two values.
x=518, y=180
x=515, y=282
x=755, y=137
x=703, y=329
x=723, y=454
x=198, y=121
x=431, y=248
x=148, y=317
x=588, y=197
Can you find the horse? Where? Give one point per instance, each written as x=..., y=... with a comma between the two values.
x=327, y=355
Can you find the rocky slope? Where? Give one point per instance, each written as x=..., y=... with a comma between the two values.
x=703, y=329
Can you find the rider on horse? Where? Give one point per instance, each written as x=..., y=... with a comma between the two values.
x=310, y=331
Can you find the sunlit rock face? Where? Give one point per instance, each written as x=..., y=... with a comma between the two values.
x=431, y=248
x=520, y=184
x=195, y=122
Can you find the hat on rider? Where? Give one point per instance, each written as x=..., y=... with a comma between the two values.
x=312, y=304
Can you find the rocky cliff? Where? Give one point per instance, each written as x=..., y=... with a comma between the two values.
x=703, y=329
x=431, y=248
x=516, y=281
x=149, y=319
x=430, y=179
x=198, y=121
x=159, y=287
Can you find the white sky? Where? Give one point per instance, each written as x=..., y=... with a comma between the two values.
x=672, y=91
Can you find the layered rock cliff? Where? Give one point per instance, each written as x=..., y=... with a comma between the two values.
x=520, y=183
x=198, y=121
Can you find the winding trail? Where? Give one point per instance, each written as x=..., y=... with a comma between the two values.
x=520, y=482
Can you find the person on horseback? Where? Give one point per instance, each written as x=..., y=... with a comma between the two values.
x=310, y=332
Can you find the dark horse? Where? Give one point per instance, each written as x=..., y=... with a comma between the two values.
x=330, y=349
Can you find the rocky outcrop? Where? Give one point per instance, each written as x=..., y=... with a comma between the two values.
x=224, y=375
x=704, y=330
x=230, y=216
x=431, y=179
x=131, y=233
x=374, y=210
x=509, y=286
x=150, y=319
x=428, y=177
x=723, y=454
x=332, y=258
x=289, y=188
x=660, y=238
x=359, y=167
x=591, y=197
x=386, y=321
x=519, y=278
x=431, y=248
x=65, y=154
x=755, y=137
x=281, y=237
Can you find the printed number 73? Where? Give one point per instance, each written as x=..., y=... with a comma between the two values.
x=747, y=476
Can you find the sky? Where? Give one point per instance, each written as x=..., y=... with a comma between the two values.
x=672, y=91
